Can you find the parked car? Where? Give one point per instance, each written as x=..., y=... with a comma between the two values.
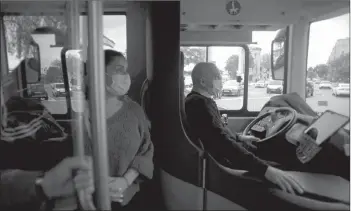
x=325, y=85
x=260, y=84
x=37, y=91
x=232, y=87
x=275, y=87
x=58, y=90
x=341, y=89
x=309, y=89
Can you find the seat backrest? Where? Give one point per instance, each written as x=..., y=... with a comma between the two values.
x=194, y=141
x=184, y=190
x=145, y=96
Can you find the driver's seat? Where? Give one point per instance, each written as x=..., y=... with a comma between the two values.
x=254, y=193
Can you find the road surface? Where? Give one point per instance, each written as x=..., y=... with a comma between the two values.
x=258, y=97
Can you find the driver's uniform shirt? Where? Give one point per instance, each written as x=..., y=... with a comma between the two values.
x=205, y=123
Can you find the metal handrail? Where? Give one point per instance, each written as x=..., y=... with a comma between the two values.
x=97, y=102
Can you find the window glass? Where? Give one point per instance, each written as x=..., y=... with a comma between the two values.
x=192, y=56
x=261, y=85
x=52, y=91
x=230, y=61
x=24, y=43
x=328, y=65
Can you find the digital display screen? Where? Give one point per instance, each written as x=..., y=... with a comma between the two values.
x=326, y=125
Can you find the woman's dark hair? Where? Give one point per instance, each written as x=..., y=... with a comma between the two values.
x=110, y=55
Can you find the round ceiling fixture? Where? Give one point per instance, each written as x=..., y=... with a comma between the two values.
x=233, y=7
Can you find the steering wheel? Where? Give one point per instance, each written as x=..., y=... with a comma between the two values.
x=279, y=126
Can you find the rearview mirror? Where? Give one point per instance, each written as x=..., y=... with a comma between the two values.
x=33, y=67
x=278, y=55
x=49, y=35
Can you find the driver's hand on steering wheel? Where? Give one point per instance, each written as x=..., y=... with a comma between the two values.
x=284, y=180
x=249, y=140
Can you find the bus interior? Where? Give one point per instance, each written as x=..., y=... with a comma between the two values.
x=284, y=45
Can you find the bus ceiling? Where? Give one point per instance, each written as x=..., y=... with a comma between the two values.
x=257, y=15
x=208, y=22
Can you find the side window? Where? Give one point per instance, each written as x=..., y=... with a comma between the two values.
x=50, y=88
x=192, y=56
x=115, y=37
x=41, y=53
x=230, y=61
x=328, y=65
x=261, y=84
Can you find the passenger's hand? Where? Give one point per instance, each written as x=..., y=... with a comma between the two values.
x=249, y=140
x=84, y=184
x=58, y=181
x=117, y=186
x=284, y=180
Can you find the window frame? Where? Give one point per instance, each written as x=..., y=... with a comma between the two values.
x=5, y=71
x=23, y=79
x=68, y=114
x=243, y=112
x=286, y=55
x=307, y=49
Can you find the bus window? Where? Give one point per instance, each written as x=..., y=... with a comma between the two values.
x=20, y=30
x=230, y=61
x=50, y=90
x=328, y=65
x=115, y=37
x=192, y=56
x=261, y=85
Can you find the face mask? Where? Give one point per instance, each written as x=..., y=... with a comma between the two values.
x=217, y=86
x=120, y=84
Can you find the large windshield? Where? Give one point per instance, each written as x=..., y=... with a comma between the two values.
x=231, y=83
x=60, y=86
x=275, y=83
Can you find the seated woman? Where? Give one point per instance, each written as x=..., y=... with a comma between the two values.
x=130, y=150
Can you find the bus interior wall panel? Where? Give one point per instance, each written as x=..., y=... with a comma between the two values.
x=172, y=149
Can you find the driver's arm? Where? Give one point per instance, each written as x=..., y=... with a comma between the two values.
x=205, y=121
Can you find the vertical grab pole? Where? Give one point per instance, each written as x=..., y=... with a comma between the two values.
x=78, y=100
x=97, y=101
